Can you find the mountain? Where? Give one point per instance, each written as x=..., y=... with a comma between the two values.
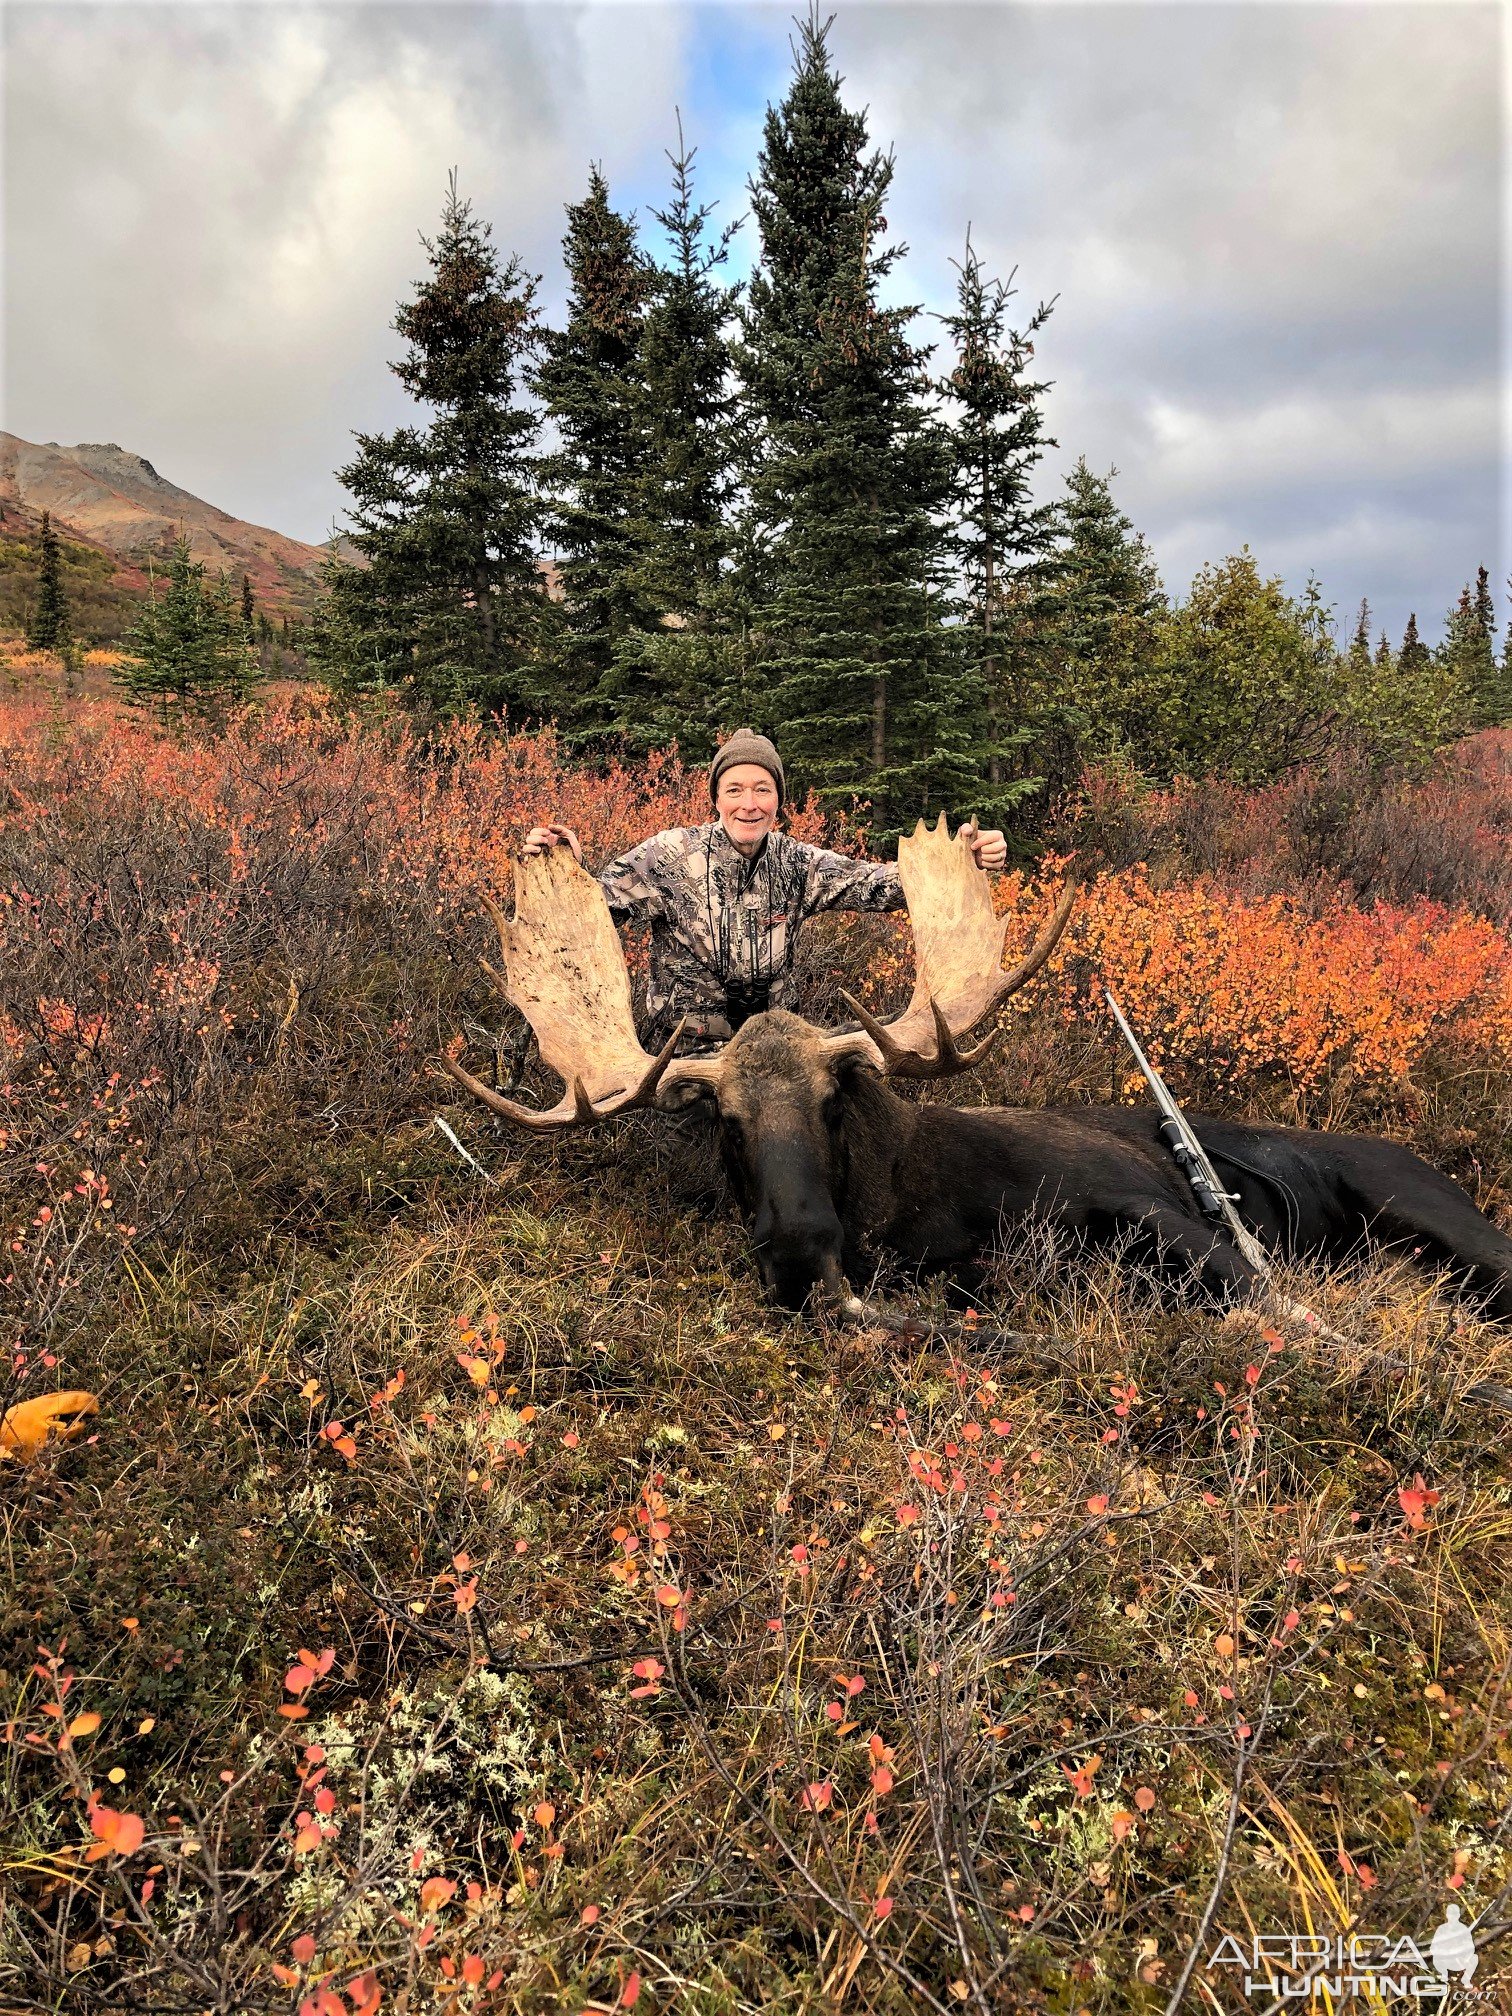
x=108, y=499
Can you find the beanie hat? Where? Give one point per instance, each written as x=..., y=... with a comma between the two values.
x=746, y=746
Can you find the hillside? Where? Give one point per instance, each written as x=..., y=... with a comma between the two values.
x=115, y=506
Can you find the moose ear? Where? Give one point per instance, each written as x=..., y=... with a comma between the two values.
x=855, y=1063
x=686, y=1092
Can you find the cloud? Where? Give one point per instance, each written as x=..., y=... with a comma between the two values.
x=212, y=211
x=1275, y=234
x=1274, y=231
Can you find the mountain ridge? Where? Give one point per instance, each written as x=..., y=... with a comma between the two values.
x=115, y=500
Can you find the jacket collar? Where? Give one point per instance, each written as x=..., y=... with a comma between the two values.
x=728, y=858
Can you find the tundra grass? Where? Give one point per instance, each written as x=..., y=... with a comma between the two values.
x=485, y=1602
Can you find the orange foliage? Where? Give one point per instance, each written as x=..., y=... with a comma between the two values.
x=283, y=910
x=1233, y=989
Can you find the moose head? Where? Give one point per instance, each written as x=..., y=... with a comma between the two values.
x=784, y=1090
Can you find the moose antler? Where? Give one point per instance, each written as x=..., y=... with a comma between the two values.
x=564, y=969
x=958, y=959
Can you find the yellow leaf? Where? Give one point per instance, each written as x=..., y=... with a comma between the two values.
x=26, y=1426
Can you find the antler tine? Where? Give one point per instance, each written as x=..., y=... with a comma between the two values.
x=575, y=1108
x=891, y=1055
x=1044, y=945
x=561, y=1115
x=897, y=1062
x=564, y=969
x=958, y=958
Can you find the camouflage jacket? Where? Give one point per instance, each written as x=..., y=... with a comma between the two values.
x=717, y=918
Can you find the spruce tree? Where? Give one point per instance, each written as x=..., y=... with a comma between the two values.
x=1468, y=653
x=248, y=610
x=1414, y=653
x=48, y=629
x=1002, y=539
x=592, y=382
x=862, y=679
x=1359, y=644
x=186, y=654
x=1485, y=606
x=1082, y=683
x=686, y=364
x=451, y=605
x=668, y=683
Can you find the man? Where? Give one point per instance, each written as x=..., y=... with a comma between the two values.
x=726, y=901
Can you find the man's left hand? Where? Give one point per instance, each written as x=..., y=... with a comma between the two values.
x=990, y=849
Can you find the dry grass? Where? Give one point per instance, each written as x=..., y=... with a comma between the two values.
x=1161, y=1632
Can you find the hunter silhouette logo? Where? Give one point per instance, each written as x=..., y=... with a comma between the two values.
x=1452, y=1948
x=1378, y=1965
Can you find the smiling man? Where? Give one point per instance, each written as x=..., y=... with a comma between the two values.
x=726, y=901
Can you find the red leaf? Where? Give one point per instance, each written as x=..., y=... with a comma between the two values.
x=436, y=1891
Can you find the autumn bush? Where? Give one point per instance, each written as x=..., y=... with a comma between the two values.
x=1382, y=837
x=469, y=1596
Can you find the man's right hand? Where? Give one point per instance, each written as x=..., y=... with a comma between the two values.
x=539, y=838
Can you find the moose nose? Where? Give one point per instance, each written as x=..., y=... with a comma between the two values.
x=797, y=1249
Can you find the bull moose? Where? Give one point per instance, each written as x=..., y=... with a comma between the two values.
x=829, y=1164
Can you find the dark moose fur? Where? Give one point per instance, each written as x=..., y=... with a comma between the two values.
x=830, y=1165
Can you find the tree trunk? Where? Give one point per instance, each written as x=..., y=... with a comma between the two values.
x=989, y=672
x=485, y=617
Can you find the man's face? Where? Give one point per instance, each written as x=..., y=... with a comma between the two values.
x=746, y=802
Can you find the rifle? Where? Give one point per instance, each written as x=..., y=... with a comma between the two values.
x=1215, y=1203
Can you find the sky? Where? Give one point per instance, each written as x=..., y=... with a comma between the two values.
x=1273, y=230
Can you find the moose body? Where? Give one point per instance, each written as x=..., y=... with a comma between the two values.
x=830, y=1165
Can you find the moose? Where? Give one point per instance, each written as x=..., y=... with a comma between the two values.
x=830, y=1166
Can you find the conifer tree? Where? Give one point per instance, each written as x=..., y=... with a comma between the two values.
x=451, y=605
x=48, y=629
x=186, y=654
x=1414, y=653
x=1359, y=644
x=593, y=384
x=1082, y=682
x=668, y=683
x=1485, y=606
x=248, y=610
x=1002, y=539
x=1468, y=653
x=690, y=404
x=861, y=676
